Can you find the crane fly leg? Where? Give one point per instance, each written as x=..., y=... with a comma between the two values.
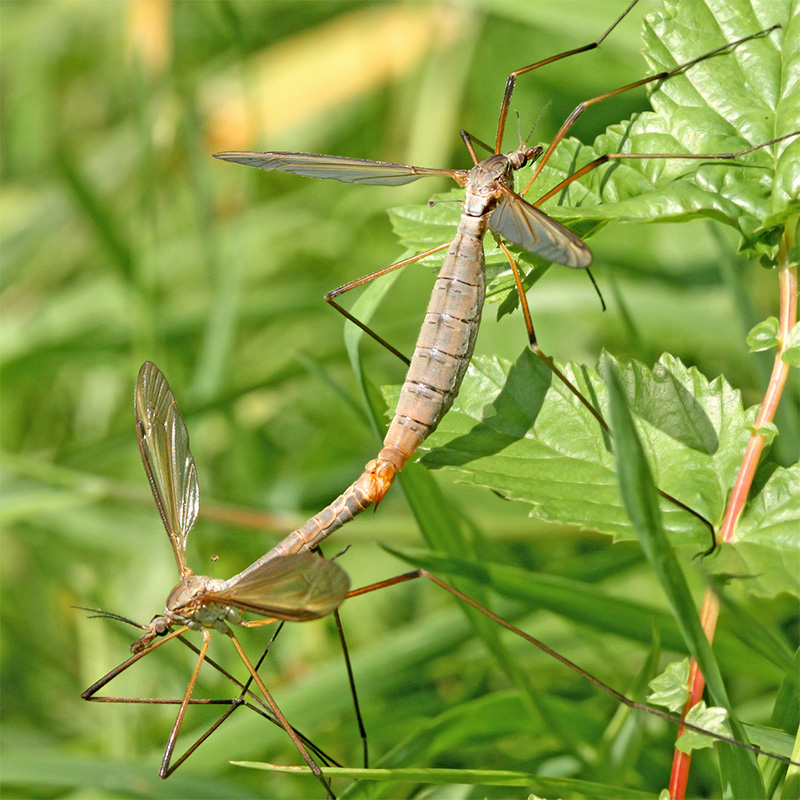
x=618, y=696
x=350, y=677
x=512, y=78
x=581, y=107
x=535, y=345
x=246, y=697
x=334, y=293
x=165, y=770
x=592, y=165
x=353, y=693
x=313, y=766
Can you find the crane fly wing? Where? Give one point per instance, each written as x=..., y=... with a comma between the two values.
x=339, y=168
x=168, y=462
x=523, y=224
x=295, y=587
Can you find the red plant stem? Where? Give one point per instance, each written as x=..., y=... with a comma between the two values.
x=787, y=280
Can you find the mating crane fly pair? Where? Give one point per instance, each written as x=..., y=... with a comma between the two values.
x=289, y=582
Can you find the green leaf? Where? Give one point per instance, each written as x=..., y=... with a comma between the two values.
x=669, y=688
x=791, y=351
x=518, y=431
x=710, y=719
x=763, y=336
x=764, y=557
x=639, y=495
x=487, y=777
x=735, y=100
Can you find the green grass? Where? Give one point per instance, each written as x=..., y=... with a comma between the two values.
x=123, y=240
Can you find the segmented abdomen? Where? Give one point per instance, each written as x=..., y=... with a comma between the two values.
x=444, y=347
x=441, y=357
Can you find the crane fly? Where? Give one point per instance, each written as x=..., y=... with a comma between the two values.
x=299, y=587
x=447, y=339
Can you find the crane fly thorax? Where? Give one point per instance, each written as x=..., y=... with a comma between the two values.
x=188, y=603
x=484, y=184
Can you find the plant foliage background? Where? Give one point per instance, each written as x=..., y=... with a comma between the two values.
x=122, y=240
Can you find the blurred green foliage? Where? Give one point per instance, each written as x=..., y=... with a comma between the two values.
x=122, y=240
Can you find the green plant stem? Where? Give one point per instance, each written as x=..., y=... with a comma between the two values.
x=709, y=614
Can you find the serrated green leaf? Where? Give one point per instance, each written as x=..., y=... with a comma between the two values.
x=763, y=336
x=773, y=511
x=710, y=719
x=730, y=102
x=670, y=687
x=763, y=570
x=764, y=559
x=517, y=430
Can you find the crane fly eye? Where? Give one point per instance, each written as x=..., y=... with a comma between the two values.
x=532, y=154
x=159, y=626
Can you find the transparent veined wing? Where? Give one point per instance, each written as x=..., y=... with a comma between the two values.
x=339, y=168
x=168, y=462
x=296, y=587
x=519, y=222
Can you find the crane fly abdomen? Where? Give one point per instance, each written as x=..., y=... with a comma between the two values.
x=445, y=344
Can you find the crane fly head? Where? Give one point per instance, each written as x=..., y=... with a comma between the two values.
x=159, y=626
x=523, y=156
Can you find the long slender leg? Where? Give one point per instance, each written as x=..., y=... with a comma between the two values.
x=574, y=389
x=592, y=165
x=89, y=694
x=470, y=141
x=618, y=696
x=581, y=107
x=526, y=313
x=234, y=703
x=512, y=78
x=353, y=693
x=329, y=297
x=165, y=771
x=350, y=677
x=313, y=766
x=265, y=711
